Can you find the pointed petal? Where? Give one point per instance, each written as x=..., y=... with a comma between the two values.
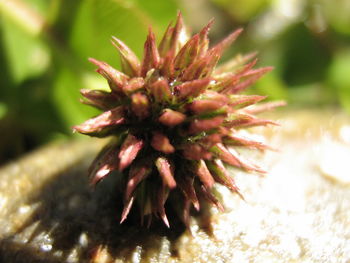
x=161, y=199
x=116, y=79
x=178, y=37
x=130, y=62
x=164, y=44
x=226, y=42
x=234, y=63
x=151, y=57
x=205, y=125
x=105, y=162
x=244, y=164
x=222, y=153
x=203, y=38
x=160, y=90
x=171, y=118
x=265, y=107
x=166, y=172
x=100, y=99
x=137, y=174
x=197, y=69
x=204, y=175
x=185, y=183
x=238, y=140
x=186, y=213
x=204, y=67
x=140, y=105
x=211, y=198
x=99, y=124
x=249, y=81
x=232, y=157
x=127, y=207
x=187, y=54
x=161, y=143
x=225, y=82
x=221, y=175
x=191, y=88
x=129, y=150
x=242, y=101
x=239, y=120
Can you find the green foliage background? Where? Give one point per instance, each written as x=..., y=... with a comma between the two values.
x=44, y=46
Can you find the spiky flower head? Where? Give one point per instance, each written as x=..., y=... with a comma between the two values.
x=175, y=118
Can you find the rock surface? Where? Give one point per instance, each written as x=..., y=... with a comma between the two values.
x=299, y=212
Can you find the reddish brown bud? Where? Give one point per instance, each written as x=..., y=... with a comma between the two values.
x=103, y=121
x=116, y=79
x=203, y=106
x=205, y=125
x=160, y=90
x=171, y=118
x=100, y=99
x=161, y=143
x=191, y=88
x=129, y=150
x=140, y=105
x=195, y=152
x=166, y=172
x=133, y=85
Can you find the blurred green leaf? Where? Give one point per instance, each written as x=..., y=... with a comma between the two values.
x=337, y=14
x=26, y=56
x=3, y=110
x=305, y=58
x=66, y=99
x=272, y=86
x=242, y=10
x=339, y=77
x=97, y=21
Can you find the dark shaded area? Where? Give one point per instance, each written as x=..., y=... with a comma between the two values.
x=304, y=51
x=68, y=207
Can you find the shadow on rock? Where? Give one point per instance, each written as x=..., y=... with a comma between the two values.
x=73, y=221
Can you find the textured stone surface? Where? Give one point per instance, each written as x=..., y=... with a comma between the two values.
x=299, y=212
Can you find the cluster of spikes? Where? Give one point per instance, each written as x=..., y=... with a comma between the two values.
x=175, y=119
